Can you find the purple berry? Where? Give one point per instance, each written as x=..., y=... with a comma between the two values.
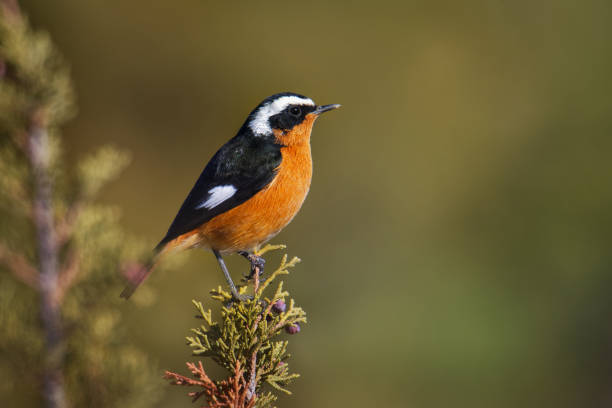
x=279, y=306
x=293, y=328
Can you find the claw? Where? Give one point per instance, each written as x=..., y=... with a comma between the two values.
x=257, y=264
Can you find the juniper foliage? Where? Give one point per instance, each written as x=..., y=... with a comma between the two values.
x=61, y=339
x=246, y=342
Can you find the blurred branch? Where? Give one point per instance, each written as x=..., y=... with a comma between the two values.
x=48, y=261
x=65, y=225
x=40, y=97
x=68, y=274
x=74, y=241
x=10, y=8
x=19, y=267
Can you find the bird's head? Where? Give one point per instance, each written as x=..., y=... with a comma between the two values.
x=288, y=117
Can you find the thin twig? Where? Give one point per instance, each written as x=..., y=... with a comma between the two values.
x=19, y=267
x=68, y=274
x=65, y=225
x=253, y=379
x=39, y=155
x=252, y=387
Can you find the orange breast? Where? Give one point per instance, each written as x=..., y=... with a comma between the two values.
x=261, y=217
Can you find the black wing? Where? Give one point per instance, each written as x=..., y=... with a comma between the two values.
x=246, y=163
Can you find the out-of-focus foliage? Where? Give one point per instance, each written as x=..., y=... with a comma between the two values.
x=101, y=368
x=245, y=342
x=35, y=77
x=99, y=168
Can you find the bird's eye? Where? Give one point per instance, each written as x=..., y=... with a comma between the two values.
x=295, y=111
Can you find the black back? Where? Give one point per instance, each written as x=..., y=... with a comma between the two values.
x=247, y=163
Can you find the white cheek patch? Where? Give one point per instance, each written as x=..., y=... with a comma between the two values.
x=260, y=123
x=217, y=195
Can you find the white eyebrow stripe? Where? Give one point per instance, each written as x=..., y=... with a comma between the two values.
x=260, y=124
x=217, y=195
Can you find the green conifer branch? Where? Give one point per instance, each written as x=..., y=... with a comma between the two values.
x=246, y=335
x=60, y=252
x=40, y=83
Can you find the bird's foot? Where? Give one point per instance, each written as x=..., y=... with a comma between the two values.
x=257, y=265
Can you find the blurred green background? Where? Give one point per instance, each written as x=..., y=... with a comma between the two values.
x=456, y=242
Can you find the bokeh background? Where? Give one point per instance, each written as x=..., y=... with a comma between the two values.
x=456, y=242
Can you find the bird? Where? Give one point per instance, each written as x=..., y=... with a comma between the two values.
x=251, y=188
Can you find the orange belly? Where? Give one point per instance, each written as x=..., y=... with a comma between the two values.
x=257, y=220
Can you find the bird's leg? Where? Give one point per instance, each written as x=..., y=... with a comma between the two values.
x=257, y=263
x=230, y=282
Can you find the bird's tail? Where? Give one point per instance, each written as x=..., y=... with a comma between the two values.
x=139, y=273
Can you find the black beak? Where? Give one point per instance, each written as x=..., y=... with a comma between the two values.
x=324, y=108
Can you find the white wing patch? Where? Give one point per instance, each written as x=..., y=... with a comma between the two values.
x=217, y=195
x=261, y=125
